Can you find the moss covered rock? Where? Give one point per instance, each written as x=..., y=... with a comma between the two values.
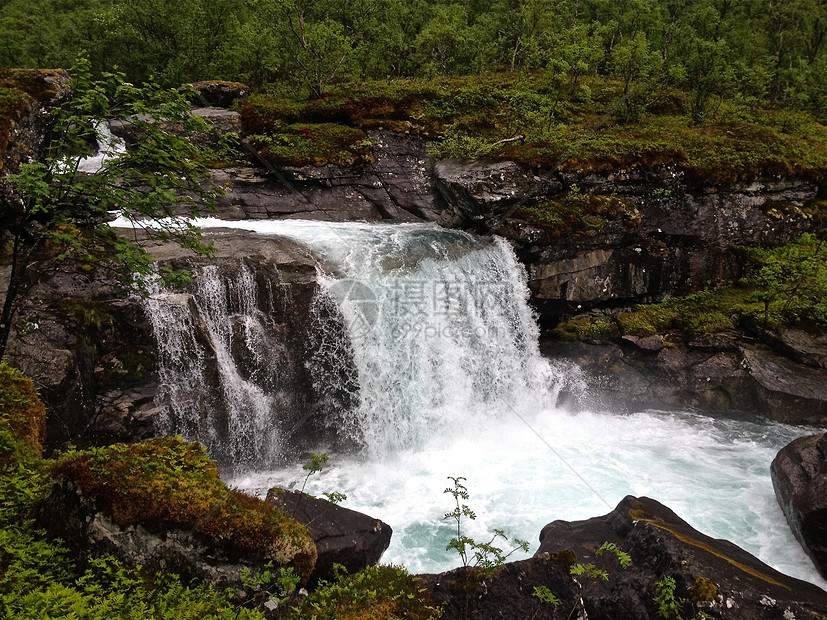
x=161, y=504
x=22, y=417
x=21, y=91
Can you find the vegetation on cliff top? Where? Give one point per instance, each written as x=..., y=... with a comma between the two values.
x=578, y=130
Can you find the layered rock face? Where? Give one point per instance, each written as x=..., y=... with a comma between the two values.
x=657, y=235
x=799, y=476
x=728, y=371
x=90, y=346
x=396, y=187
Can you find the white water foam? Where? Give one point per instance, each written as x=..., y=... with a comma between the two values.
x=109, y=147
x=450, y=383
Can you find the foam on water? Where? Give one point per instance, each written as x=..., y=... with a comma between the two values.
x=713, y=473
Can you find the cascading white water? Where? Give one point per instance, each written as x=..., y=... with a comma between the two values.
x=109, y=146
x=209, y=398
x=447, y=380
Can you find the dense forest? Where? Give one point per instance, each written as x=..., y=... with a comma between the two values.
x=745, y=50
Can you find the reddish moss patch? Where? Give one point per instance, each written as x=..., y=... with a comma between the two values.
x=19, y=90
x=40, y=84
x=22, y=417
x=166, y=483
x=301, y=144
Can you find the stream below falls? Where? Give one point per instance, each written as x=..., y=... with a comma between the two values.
x=445, y=378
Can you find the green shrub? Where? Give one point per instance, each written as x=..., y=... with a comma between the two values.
x=375, y=593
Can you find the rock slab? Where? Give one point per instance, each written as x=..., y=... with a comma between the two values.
x=342, y=536
x=714, y=576
x=799, y=476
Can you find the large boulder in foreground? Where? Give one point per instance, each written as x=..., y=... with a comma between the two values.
x=711, y=575
x=342, y=536
x=799, y=476
x=161, y=505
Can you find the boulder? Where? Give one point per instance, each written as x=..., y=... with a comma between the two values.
x=799, y=476
x=342, y=536
x=788, y=391
x=161, y=505
x=713, y=576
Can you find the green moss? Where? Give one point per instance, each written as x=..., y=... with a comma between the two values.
x=167, y=483
x=319, y=144
x=22, y=417
x=579, y=211
x=586, y=329
x=704, y=312
x=375, y=593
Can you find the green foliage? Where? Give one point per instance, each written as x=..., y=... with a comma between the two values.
x=622, y=557
x=761, y=50
x=267, y=586
x=672, y=606
x=545, y=595
x=483, y=555
x=374, y=593
x=669, y=606
x=40, y=580
x=166, y=482
x=790, y=281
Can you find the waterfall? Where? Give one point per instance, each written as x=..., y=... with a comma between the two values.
x=109, y=146
x=215, y=367
x=408, y=322
x=433, y=318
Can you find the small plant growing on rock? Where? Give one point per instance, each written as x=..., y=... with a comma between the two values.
x=596, y=574
x=672, y=606
x=484, y=555
x=314, y=466
x=546, y=596
x=477, y=557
